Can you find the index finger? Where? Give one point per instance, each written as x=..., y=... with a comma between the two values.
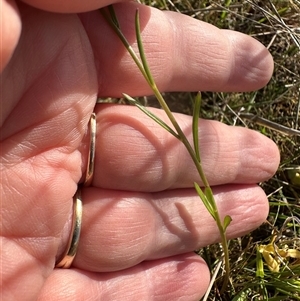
x=184, y=54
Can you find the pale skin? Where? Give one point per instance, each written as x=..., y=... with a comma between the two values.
x=141, y=217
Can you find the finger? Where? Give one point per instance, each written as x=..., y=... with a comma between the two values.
x=10, y=25
x=176, y=278
x=134, y=153
x=183, y=54
x=122, y=229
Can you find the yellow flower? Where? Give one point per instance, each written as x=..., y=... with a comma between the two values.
x=274, y=256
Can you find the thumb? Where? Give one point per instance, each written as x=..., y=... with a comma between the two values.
x=10, y=29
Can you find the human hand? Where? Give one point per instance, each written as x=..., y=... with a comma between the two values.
x=141, y=217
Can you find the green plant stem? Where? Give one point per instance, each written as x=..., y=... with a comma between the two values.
x=195, y=157
x=143, y=67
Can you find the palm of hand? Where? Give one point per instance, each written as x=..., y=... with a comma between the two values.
x=50, y=98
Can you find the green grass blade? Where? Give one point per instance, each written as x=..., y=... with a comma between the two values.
x=150, y=114
x=259, y=265
x=196, y=113
x=225, y=12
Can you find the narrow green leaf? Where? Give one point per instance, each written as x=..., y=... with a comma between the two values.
x=210, y=197
x=205, y=201
x=141, y=50
x=113, y=22
x=150, y=114
x=226, y=222
x=196, y=113
x=113, y=16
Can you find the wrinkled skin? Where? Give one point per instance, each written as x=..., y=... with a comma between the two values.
x=141, y=217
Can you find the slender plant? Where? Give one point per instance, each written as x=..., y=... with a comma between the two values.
x=205, y=193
